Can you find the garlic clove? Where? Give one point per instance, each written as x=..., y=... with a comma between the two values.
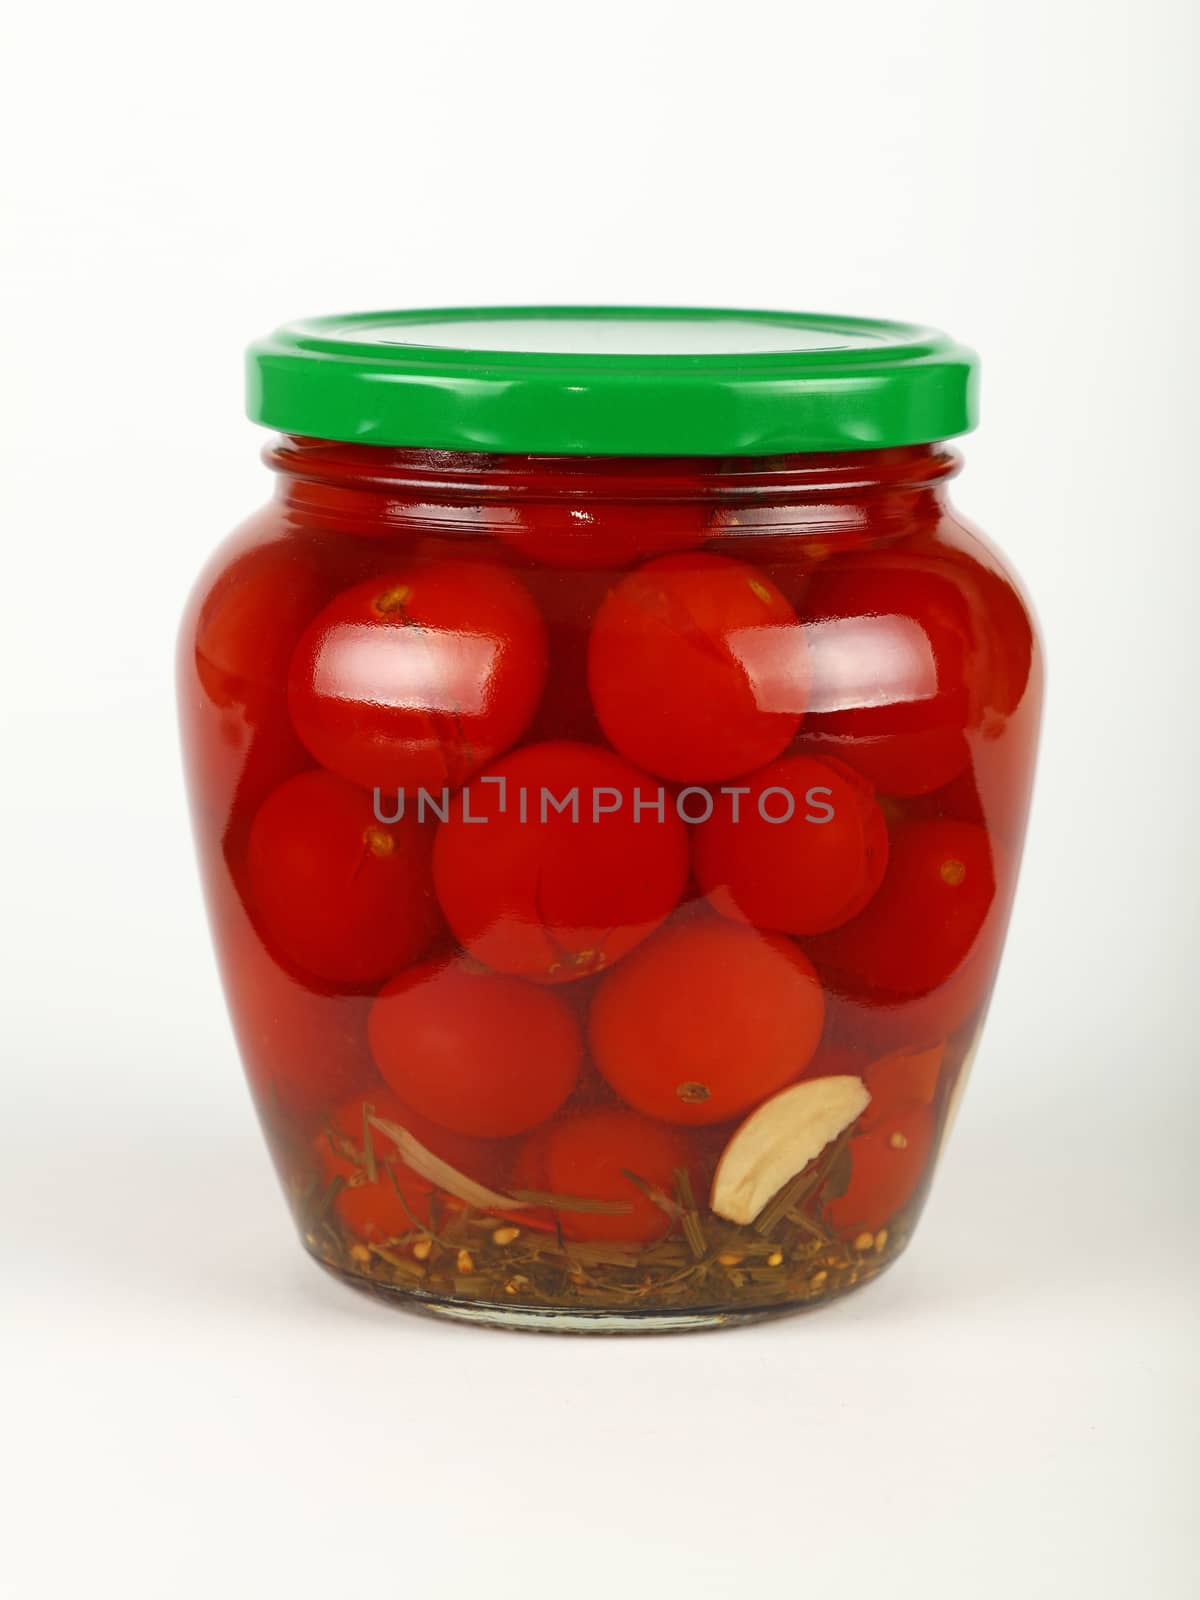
x=779, y=1139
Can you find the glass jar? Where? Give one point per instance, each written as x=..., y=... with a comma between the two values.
x=609, y=757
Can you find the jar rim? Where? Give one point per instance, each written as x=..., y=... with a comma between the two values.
x=613, y=380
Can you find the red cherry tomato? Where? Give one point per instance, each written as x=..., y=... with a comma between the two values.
x=475, y=1052
x=398, y=1198
x=868, y=1027
x=529, y=1170
x=579, y=514
x=892, y=644
x=788, y=540
x=905, y=1078
x=1007, y=646
x=303, y=1051
x=801, y=851
x=371, y=1207
x=595, y=533
x=588, y=1156
x=346, y=897
x=924, y=756
x=924, y=920
x=377, y=1210
x=418, y=677
x=698, y=668
x=554, y=895
x=890, y=1026
x=886, y=1168
x=233, y=690
x=705, y=1020
x=250, y=621
x=1005, y=694
x=826, y=524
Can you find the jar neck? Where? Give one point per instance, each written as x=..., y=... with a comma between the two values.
x=371, y=489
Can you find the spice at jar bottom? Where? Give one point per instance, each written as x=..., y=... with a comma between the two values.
x=609, y=756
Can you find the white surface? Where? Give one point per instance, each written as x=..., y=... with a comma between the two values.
x=190, y=1409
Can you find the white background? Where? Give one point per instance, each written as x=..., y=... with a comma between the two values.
x=191, y=1409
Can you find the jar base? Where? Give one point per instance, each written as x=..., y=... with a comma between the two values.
x=558, y=1319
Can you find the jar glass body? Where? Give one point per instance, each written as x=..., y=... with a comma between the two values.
x=608, y=862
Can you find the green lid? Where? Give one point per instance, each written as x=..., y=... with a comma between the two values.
x=612, y=380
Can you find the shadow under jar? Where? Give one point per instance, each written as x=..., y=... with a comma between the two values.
x=609, y=780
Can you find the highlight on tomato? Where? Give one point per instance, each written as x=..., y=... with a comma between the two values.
x=892, y=645
x=418, y=677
